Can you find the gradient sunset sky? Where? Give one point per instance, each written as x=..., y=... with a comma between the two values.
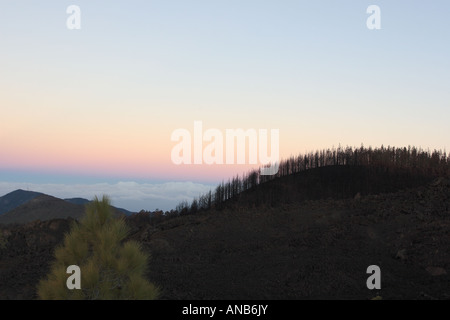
x=97, y=106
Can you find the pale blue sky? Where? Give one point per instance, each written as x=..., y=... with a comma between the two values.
x=260, y=55
x=145, y=68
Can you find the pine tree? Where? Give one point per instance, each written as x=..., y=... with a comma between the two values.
x=110, y=268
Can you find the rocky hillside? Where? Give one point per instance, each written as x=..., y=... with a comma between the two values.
x=319, y=249
x=16, y=198
x=42, y=207
x=26, y=255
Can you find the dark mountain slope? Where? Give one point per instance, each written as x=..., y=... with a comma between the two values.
x=329, y=182
x=86, y=201
x=42, y=208
x=16, y=198
x=336, y=182
x=319, y=249
x=313, y=249
x=81, y=201
x=45, y=207
x=27, y=256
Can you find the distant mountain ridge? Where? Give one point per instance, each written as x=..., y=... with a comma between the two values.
x=16, y=198
x=86, y=201
x=42, y=207
x=22, y=206
x=77, y=200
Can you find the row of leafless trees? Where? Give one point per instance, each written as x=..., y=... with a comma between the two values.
x=415, y=160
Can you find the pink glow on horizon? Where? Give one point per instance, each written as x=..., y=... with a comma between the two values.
x=112, y=163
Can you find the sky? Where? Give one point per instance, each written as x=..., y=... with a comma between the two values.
x=92, y=110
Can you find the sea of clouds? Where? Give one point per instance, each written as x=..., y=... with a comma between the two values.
x=132, y=196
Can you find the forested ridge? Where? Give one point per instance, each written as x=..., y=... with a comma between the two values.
x=336, y=173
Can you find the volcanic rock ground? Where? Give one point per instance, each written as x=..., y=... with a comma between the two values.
x=316, y=250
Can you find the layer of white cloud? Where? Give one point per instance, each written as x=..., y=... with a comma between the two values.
x=132, y=196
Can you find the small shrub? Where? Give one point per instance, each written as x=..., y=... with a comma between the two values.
x=110, y=268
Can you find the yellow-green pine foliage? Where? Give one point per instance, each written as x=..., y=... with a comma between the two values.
x=110, y=268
